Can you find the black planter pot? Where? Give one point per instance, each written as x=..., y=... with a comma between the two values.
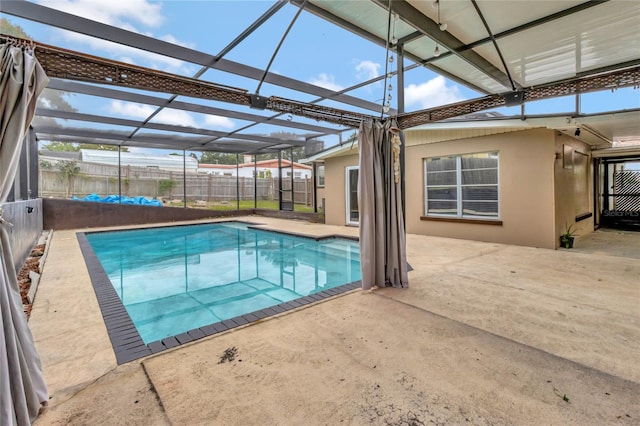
x=566, y=242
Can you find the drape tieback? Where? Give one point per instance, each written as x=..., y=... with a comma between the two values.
x=395, y=139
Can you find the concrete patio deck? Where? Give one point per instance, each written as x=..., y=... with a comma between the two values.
x=486, y=334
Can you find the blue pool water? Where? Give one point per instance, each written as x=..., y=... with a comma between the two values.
x=175, y=279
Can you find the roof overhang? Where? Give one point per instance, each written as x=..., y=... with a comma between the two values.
x=627, y=153
x=336, y=151
x=596, y=130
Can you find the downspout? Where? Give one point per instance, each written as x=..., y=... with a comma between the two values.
x=255, y=181
x=400, y=93
x=315, y=186
x=119, y=177
x=279, y=180
x=184, y=177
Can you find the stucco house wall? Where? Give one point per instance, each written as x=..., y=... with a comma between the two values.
x=573, y=186
x=539, y=194
x=526, y=191
x=335, y=190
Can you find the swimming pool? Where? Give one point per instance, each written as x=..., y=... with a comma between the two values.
x=176, y=284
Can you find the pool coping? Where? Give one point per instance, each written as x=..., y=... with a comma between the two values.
x=126, y=340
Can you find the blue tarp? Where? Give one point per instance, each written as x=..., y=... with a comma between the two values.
x=116, y=199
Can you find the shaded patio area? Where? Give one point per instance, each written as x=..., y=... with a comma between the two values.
x=486, y=334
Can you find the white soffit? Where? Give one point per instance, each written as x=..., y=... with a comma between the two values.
x=460, y=17
x=365, y=15
x=571, y=45
x=424, y=136
x=349, y=148
x=510, y=124
x=463, y=20
x=591, y=38
x=423, y=47
x=504, y=15
x=622, y=151
x=616, y=127
x=459, y=67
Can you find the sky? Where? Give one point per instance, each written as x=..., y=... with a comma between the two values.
x=314, y=51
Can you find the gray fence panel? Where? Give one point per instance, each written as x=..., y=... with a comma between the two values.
x=101, y=179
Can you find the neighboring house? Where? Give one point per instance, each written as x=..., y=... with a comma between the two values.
x=507, y=181
x=175, y=163
x=54, y=157
x=264, y=169
x=217, y=169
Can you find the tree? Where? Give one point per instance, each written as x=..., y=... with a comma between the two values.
x=68, y=169
x=75, y=147
x=209, y=157
x=61, y=146
x=309, y=148
x=8, y=28
x=102, y=147
x=352, y=138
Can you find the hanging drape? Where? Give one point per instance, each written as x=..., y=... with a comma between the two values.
x=22, y=386
x=383, y=258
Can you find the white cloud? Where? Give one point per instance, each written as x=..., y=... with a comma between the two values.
x=130, y=110
x=434, y=92
x=217, y=121
x=129, y=54
x=171, y=39
x=133, y=110
x=366, y=70
x=122, y=14
x=44, y=102
x=126, y=59
x=327, y=81
x=116, y=13
x=172, y=116
x=176, y=117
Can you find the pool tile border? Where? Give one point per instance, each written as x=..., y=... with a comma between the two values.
x=126, y=340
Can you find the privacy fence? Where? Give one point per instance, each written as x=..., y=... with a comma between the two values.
x=68, y=179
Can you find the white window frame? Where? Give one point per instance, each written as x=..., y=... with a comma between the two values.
x=460, y=214
x=318, y=184
x=347, y=196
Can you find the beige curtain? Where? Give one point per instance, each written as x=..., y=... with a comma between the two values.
x=383, y=258
x=22, y=386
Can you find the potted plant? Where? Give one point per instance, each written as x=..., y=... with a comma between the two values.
x=567, y=237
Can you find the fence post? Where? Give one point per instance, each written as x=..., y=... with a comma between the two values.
x=171, y=187
x=71, y=186
x=270, y=188
x=127, y=180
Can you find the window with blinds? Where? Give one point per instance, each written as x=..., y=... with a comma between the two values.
x=462, y=186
